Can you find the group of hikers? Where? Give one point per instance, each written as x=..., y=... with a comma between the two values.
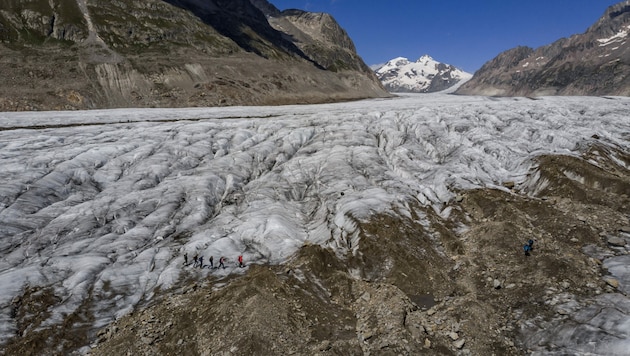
x=198, y=261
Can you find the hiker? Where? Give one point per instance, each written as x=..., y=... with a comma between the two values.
x=531, y=245
x=196, y=260
x=211, y=260
x=185, y=259
x=201, y=262
x=221, y=260
x=527, y=248
x=240, y=261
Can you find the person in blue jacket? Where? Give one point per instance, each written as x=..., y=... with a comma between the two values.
x=528, y=247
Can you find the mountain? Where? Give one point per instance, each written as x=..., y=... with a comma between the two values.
x=173, y=53
x=425, y=75
x=596, y=62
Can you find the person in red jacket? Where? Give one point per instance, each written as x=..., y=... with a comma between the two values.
x=221, y=260
x=240, y=261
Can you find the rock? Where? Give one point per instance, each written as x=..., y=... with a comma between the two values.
x=562, y=311
x=459, y=344
x=366, y=296
x=496, y=284
x=509, y=184
x=427, y=343
x=459, y=198
x=616, y=241
x=625, y=229
x=597, y=252
x=417, y=332
x=455, y=327
x=565, y=284
x=454, y=336
x=574, y=240
x=612, y=282
x=324, y=345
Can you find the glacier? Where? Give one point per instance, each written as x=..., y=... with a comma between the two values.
x=102, y=205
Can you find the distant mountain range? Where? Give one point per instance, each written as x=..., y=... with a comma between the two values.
x=596, y=62
x=426, y=75
x=65, y=55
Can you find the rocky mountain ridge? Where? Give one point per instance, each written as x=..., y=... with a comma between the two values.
x=87, y=54
x=425, y=75
x=596, y=62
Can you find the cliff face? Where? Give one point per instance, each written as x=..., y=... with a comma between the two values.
x=320, y=38
x=87, y=54
x=596, y=62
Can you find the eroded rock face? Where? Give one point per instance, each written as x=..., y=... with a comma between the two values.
x=88, y=54
x=593, y=63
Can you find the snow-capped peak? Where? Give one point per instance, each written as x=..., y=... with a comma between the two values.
x=422, y=76
x=426, y=59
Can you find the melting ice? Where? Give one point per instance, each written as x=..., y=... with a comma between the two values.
x=104, y=204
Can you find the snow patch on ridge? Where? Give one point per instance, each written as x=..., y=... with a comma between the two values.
x=619, y=36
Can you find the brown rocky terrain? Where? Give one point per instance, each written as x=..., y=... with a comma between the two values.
x=62, y=55
x=461, y=286
x=596, y=62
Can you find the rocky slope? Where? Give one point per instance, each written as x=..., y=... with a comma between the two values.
x=596, y=62
x=88, y=54
x=425, y=75
x=472, y=291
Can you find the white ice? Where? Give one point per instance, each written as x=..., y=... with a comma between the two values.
x=103, y=204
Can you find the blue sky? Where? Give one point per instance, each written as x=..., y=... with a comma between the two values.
x=464, y=33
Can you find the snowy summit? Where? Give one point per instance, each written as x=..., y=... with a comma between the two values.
x=426, y=75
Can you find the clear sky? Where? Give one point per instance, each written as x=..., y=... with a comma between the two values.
x=464, y=33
